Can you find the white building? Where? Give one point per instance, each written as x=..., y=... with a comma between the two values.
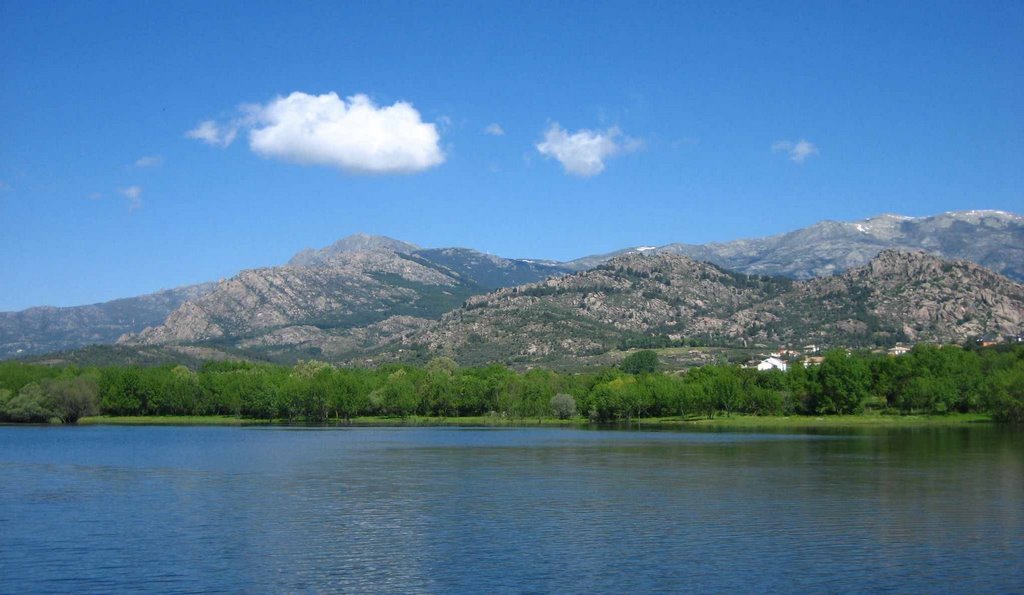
x=772, y=362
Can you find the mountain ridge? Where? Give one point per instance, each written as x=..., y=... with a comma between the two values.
x=897, y=296
x=994, y=239
x=832, y=246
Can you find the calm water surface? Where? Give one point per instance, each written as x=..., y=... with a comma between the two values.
x=115, y=509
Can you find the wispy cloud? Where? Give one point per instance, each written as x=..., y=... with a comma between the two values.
x=494, y=129
x=134, y=196
x=352, y=134
x=214, y=134
x=798, y=151
x=444, y=123
x=584, y=152
x=149, y=161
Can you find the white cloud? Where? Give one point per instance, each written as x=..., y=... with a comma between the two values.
x=352, y=134
x=214, y=134
x=149, y=161
x=584, y=152
x=134, y=196
x=798, y=151
x=494, y=129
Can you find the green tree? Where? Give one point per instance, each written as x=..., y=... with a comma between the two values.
x=398, y=395
x=120, y=391
x=184, y=395
x=442, y=365
x=71, y=398
x=563, y=405
x=1005, y=391
x=844, y=382
x=727, y=390
x=644, y=361
x=28, y=406
x=348, y=394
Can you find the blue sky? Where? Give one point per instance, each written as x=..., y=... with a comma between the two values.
x=622, y=124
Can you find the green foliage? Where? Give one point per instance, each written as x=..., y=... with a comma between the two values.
x=928, y=380
x=845, y=381
x=28, y=406
x=563, y=405
x=69, y=399
x=1006, y=395
x=640, y=362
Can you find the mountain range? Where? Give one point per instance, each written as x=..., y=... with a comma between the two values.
x=897, y=296
x=371, y=294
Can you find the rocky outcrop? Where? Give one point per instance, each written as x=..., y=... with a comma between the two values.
x=333, y=344
x=318, y=299
x=587, y=312
x=359, y=242
x=896, y=296
x=350, y=289
x=363, y=279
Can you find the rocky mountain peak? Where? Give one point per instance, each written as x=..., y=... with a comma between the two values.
x=913, y=265
x=357, y=242
x=650, y=261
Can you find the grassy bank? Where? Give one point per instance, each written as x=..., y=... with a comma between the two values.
x=734, y=421
x=169, y=420
x=831, y=421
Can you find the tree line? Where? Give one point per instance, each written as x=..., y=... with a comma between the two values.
x=929, y=379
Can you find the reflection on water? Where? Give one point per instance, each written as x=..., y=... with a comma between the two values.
x=434, y=509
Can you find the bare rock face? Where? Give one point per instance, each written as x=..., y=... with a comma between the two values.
x=334, y=344
x=346, y=290
x=319, y=300
x=857, y=293
x=896, y=296
x=359, y=242
x=942, y=300
x=584, y=313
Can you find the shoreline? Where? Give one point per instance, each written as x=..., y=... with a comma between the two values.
x=734, y=421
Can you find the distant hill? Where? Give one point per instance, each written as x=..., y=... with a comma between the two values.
x=345, y=290
x=343, y=299
x=896, y=296
x=993, y=239
x=44, y=329
x=362, y=280
x=359, y=242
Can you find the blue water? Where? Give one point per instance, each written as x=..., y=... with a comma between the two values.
x=171, y=509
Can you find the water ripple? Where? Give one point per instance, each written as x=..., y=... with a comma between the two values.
x=532, y=510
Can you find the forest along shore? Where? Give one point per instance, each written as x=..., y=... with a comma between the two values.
x=875, y=388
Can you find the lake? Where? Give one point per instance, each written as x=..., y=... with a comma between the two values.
x=271, y=509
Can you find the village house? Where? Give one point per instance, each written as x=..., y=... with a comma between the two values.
x=987, y=341
x=772, y=363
